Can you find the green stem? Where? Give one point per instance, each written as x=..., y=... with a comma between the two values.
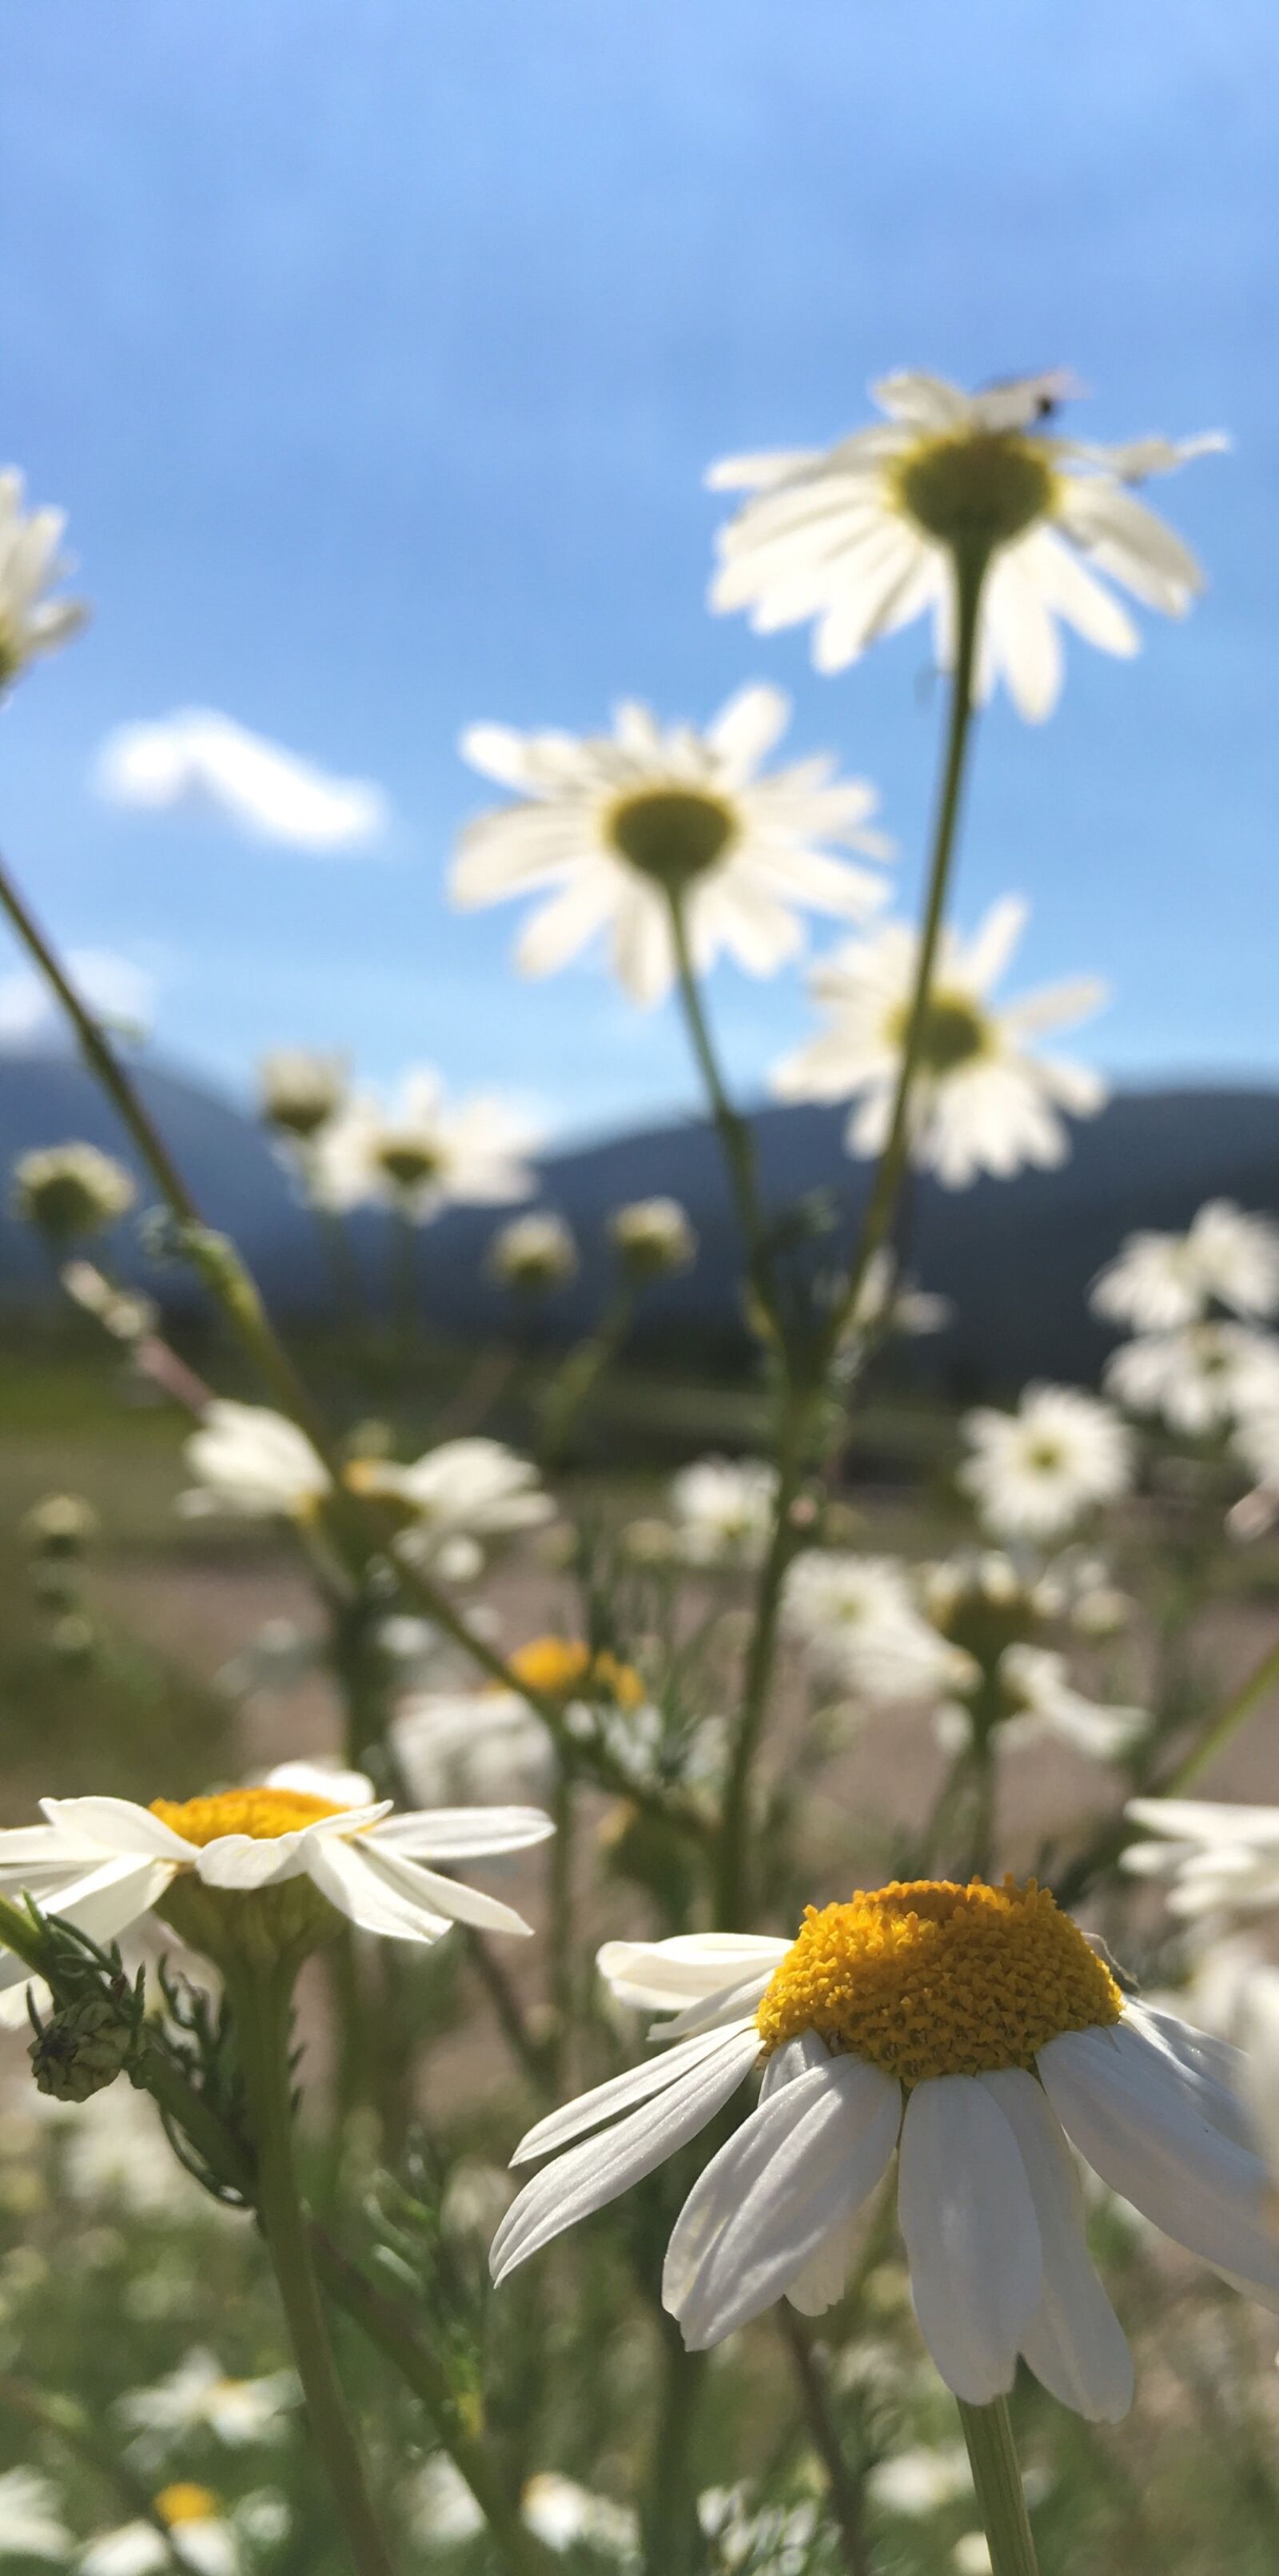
x=261, y=2009
x=672, y=2536
x=563, y=1399
x=561, y=1959
x=844, y=2487
x=732, y=1872
x=218, y=1263
x=992, y=2457
x=733, y=1130
x=970, y=573
x=404, y=1289
x=1241, y=1703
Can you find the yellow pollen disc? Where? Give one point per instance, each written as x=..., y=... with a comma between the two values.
x=184, y=2502
x=260, y=1813
x=558, y=1666
x=926, y=1978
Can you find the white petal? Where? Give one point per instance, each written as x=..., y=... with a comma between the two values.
x=972, y=2238
x=1075, y=2344
x=249, y=1860
x=991, y=947
x=690, y=1966
x=342, y=1873
x=599, y=2169
x=744, y=731
x=324, y=1780
x=437, y=1895
x=620, y=2093
x=798, y=2167
x=117, y=1825
x=1143, y=2132
x=461, y=1833
x=103, y=1904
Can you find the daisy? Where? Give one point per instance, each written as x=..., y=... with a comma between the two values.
x=1218, y=1856
x=422, y=1152
x=30, y=564
x=256, y=1464
x=652, y=1238
x=970, y=2031
x=1159, y=1282
x=858, y=1618
x=863, y=537
x=620, y=825
x=533, y=1252
x=981, y=1101
x=723, y=1510
x=1204, y=1378
x=199, y=2536
x=307, y=1846
x=472, y=1744
x=300, y=1091
x=69, y=1190
x=1038, y=1701
x=1034, y=1473
x=1005, y=1624
x=198, y=2397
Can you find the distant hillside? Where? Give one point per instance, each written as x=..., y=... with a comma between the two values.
x=1015, y=1257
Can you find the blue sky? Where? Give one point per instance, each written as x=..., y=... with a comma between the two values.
x=377, y=347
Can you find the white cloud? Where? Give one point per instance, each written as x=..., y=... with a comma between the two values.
x=116, y=990
x=199, y=758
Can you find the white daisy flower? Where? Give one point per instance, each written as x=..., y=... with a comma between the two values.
x=859, y=1620
x=70, y=1190
x=198, y=2397
x=1158, y=1282
x=455, y=1494
x=199, y=2537
x=982, y=1102
x=1041, y=1702
x=723, y=1510
x=255, y=1463
x=619, y=824
x=1255, y=1441
x=1002, y=1619
x=1218, y=1856
x=314, y=1841
x=422, y=1152
x=1034, y=1473
x=652, y=1238
x=300, y=1090
x=31, y=2525
x=472, y=1744
x=1203, y=1378
x=921, y=2481
x=971, y=2031
x=564, y=2515
x=30, y=564
x=533, y=1252
x=862, y=537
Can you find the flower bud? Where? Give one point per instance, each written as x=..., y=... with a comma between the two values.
x=652, y=1238
x=80, y=2050
x=69, y=1190
x=532, y=1254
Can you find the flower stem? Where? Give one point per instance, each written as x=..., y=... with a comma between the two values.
x=221, y=1268
x=970, y=572
x=1241, y=1703
x=843, y=2483
x=574, y=1380
x=736, y=1143
x=260, y=2005
x=992, y=2457
x=732, y=1853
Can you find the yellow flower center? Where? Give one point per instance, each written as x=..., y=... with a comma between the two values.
x=261, y=1813
x=926, y=1978
x=955, y=1032
x=559, y=1666
x=979, y=489
x=671, y=833
x=185, y=2502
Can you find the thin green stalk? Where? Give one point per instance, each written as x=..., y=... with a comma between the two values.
x=970, y=573
x=733, y=1130
x=379, y=2317
x=261, y=2009
x=992, y=2457
x=1241, y=1703
x=732, y=1854
x=219, y=1264
x=561, y=1946
x=574, y=1380
x=843, y=2484
x=404, y=1288
x=672, y=2535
